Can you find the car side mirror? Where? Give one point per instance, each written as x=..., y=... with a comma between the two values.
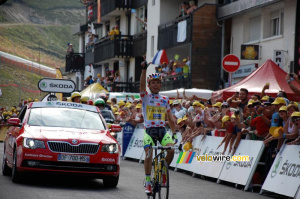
x=14, y=121
x=115, y=128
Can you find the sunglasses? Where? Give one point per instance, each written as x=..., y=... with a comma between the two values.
x=296, y=119
x=224, y=107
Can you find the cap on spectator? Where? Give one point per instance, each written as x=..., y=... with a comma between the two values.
x=279, y=100
x=108, y=101
x=98, y=75
x=274, y=131
x=122, y=113
x=225, y=104
x=283, y=108
x=196, y=103
x=170, y=102
x=116, y=113
x=184, y=60
x=265, y=98
x=175, y=64
x=218, y=104
x=121, y=103
x=250, y=102
x=176, y=102
x=181, y=119
x=295, y=114
x=70, y=44
x=128, y=104
x=225, y=119
x=36, y=100
x=114, y=110
x=138, y=106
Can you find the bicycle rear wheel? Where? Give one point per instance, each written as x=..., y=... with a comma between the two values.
x=163, y=190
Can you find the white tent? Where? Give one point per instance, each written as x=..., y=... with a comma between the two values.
x=202, y=93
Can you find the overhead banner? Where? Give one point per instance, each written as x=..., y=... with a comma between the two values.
x=284, y=175
x=242, y=172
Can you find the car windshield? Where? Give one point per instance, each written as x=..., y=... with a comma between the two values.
x=64, y=117
x=108, y=116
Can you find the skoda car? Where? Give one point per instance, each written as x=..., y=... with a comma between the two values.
x=61, y=137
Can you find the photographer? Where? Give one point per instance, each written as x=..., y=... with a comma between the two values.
x=239, y=100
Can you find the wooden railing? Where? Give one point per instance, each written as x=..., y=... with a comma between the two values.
x=168, y=83
x=110, y=47
x=139, y=44
x=167, y=33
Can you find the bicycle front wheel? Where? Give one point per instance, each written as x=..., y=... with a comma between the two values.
x=163, y=191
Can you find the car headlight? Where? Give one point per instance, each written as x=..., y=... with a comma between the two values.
x=33, y=144
x=111, y=148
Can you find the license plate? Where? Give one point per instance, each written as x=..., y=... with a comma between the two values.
x=73, y=158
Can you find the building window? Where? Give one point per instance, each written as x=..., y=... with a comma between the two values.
x=276, y=23
x=254, y=28
x=152, y=46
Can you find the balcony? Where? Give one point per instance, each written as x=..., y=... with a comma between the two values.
x=169, y=83
x=75, y=62
x=114, y=46
x=89, y=56
x=167, y=33
x=139, y=3
x=139, y=44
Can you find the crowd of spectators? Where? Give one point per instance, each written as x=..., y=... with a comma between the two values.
x=187, y=8
x=175, y=68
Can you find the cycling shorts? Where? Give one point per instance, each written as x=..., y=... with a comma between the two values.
x=158, y=133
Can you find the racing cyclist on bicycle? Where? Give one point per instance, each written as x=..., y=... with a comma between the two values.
x=155, y=109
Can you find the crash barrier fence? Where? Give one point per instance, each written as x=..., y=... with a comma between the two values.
x=283, y=177
x=29, y=67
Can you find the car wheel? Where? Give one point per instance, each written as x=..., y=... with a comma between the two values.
x=111, y=182
x=16, y=177
x=6, y=171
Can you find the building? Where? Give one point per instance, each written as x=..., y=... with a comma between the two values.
x=146, y=27
x=260, y=30
x=265, y=28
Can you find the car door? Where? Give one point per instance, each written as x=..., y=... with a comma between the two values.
x=11, y=134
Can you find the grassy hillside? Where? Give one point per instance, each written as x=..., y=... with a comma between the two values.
x=12, y=95
x=28, y=41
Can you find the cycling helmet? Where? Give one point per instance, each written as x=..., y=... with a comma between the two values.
x=84, y=99
x=154, y=76
x=99, y=102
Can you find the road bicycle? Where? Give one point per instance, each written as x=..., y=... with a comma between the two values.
x=160, y=189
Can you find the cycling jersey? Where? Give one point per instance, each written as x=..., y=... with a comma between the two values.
x=155, y=107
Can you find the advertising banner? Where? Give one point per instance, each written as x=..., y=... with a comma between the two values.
x=127, y=132
x=241, y=172
x=208, y=146
x=136, y=145
x=284, y=175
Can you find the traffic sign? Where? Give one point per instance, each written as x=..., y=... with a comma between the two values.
x=231, y=63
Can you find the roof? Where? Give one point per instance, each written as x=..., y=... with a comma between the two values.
x=269, y=72
x=63, y=104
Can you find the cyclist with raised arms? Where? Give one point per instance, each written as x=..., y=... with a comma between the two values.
x=155, y=110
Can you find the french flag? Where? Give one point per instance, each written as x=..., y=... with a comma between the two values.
x=160, y=58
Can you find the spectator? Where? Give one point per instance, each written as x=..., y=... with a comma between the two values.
x=112, y=33
x=239, y=100
x=191, y=8
x=70, y=49
x=117, y=31
x=185, y=68
x=91, y=81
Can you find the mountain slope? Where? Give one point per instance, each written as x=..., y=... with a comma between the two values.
x=40, y=29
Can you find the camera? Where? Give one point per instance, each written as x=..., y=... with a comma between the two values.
x=237, y=112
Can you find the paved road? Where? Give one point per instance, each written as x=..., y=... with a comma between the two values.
x=130, y=186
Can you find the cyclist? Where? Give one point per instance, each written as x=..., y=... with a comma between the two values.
x=155, y=109
x=75, y=97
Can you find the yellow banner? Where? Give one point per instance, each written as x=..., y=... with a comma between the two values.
x=156, y=113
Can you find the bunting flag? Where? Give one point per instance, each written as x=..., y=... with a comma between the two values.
x=185, y=157
x=160, y=58
x=90, y=12
x=99, y=12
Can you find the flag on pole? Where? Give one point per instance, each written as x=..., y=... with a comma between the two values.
x=99, y=12
x=160, y=58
